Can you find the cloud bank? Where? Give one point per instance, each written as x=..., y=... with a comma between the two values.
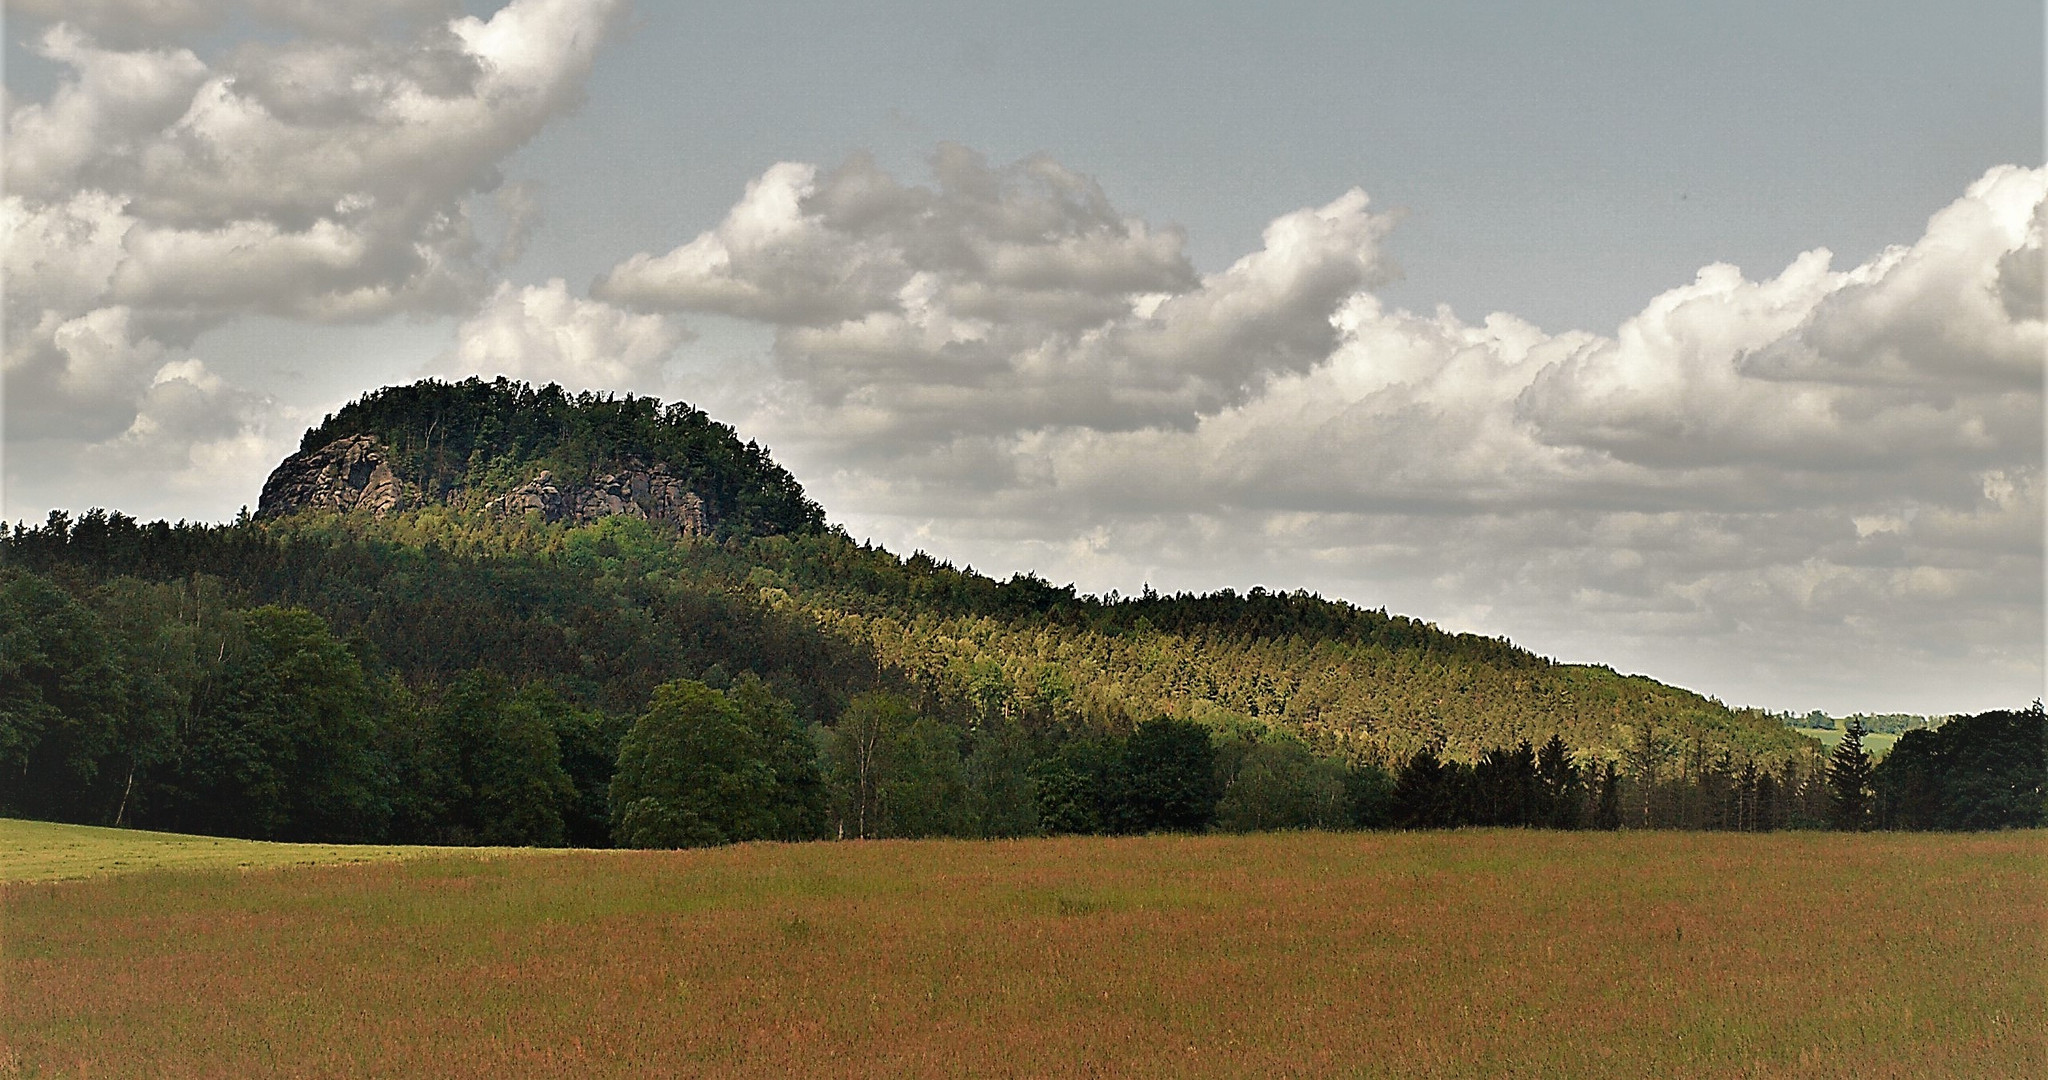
x=331, y=176
x=1825, y=478
x=1745, y=482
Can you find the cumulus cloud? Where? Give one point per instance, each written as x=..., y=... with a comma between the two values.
x=332, y=172
x=1007, y=299
x=541, y=333
x=1824, y=462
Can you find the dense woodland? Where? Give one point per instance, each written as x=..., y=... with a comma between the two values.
x=442, y=676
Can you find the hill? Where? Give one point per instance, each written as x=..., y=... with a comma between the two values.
x=545, y=559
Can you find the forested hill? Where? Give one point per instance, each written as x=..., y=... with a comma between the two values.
x=459, y=441
x=128, y=645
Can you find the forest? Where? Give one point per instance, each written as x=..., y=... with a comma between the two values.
x=442, y=674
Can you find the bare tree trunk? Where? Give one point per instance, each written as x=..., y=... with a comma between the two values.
x=125, y=792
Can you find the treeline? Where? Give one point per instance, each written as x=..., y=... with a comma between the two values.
x=609, y=610
x=164, y=705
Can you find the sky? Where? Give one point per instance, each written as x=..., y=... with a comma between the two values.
x=1702, y=341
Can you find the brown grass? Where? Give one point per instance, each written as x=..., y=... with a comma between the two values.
x=1483, y=953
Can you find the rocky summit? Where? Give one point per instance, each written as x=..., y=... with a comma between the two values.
x=353, y=473
x=347, y=474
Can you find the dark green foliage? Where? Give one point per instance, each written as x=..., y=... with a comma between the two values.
x=61, y=702
x=856, y=752
x=1369, y=796
x=701, y=767
x=799, y=808
x=1428, y=792
x=502, y=778
x=1560, y=786
x=1974, y=772
x=1165, y=779
x=1282, y=784
x=1849, y=781
x=492, y=435
x=1073, y=786
x=587, y=744
x=1607, y=807
x=284, y=747
x=924, y=781
x=1503, y=788
x=1001, y=798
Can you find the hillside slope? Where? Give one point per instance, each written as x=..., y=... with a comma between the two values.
x=400, y=531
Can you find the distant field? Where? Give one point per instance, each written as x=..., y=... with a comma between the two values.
x=41, y=851
x=1876, y=744
x=1479, y=953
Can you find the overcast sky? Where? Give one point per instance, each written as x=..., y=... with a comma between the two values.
x=1704, y=341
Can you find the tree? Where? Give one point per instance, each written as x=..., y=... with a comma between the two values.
x=1368, y=796
x=924, y=787
x=691, y=773
x=61, y=701
x=855, y=750
x=588, y=742
x=799, y=804
x=504, y=780
x=285, y=747
x=1166, y=778
x=1607, y=807
x=1973, y=772
x=1282, y=784
x=1072, y=785
x=1000, y=794
x=1426, y=794
x=1849, y=780
x=1560, y=783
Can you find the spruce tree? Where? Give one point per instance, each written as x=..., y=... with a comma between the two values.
x=1849, y=780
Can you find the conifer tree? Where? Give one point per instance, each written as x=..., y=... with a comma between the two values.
x=1849, y=780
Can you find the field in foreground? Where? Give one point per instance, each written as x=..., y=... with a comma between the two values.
x=1480, y=953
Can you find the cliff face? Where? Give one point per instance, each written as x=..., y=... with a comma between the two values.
x=346, y=474
x=637, y=489
x=353, y=473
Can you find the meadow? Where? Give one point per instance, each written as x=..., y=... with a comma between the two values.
x=1468, y=953
x=46, y=851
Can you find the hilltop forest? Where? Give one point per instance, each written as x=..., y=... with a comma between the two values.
x=519, y=641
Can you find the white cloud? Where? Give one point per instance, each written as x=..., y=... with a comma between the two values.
x=542, y=334
x=332, y=173
x=1746, y=482
x=1007, y=299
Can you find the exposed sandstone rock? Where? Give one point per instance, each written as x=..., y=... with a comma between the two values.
x=345, y=475
x=353, y=473
x=637, y=489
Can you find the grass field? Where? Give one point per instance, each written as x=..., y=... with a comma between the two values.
x=1876, y=744
x=1478, y=953
x=41, y=851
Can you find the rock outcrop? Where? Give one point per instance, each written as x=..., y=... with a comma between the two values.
x=345, y=475
x=636, y=489
x=353, y=473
